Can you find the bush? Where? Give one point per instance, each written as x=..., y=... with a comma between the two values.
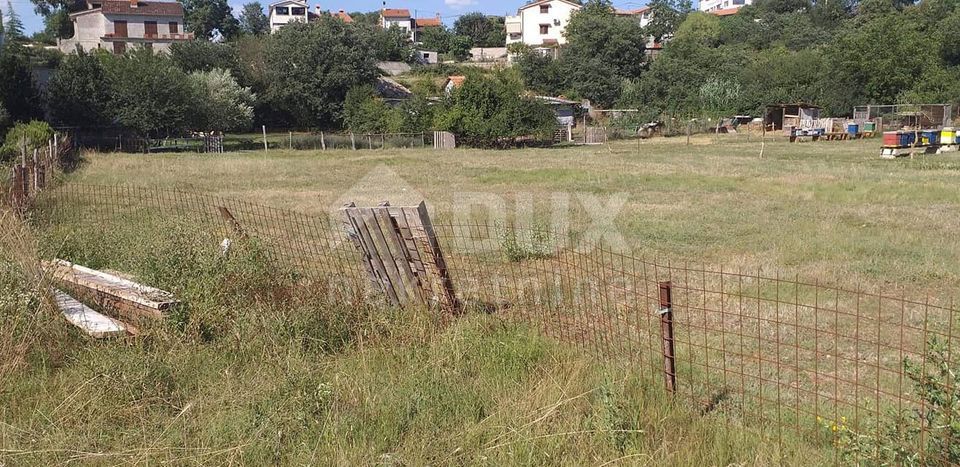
x=221, y=103
x=493, y=112
x=25, y=136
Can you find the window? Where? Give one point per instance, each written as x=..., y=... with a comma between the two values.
x=282, y=10
x=120, y=28
x=174, y=28
x=544, y=9
x=298, y=11
x=544, y=29
x=149, y=29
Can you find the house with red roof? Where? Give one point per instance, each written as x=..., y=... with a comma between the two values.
x=723, y=7
x=401, y=18
x=118, y=25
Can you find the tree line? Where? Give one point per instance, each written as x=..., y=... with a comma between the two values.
x=834, y=53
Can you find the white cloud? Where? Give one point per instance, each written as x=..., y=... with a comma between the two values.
x=457, y=4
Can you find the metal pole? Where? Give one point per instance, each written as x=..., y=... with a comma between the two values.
x=666, y=334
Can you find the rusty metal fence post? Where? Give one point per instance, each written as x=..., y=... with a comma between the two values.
x=666, y=335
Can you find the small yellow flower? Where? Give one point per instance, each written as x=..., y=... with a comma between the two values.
x=843, y=419
x=819, y=419
x=834, y=428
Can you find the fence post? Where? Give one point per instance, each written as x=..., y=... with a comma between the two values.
x=666, y=334
x=353, y=141
x=323, y=142
x=264, y=128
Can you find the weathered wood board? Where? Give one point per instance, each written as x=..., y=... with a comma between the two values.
x=87, y=319
x=121, y=298
x=401, y=254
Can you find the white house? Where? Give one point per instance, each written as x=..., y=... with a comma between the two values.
x=116, y=25
x=541, y=24
x=713, y=6
x=285, y=12
x=399, y=17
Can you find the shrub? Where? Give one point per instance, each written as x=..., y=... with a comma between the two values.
x=25, y=136
x=493, y=112
x=222, y=104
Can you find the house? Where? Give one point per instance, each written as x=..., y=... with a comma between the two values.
x=644, y=15
x=427, y=57
x=710, y=6
x=725, y=11
x=399, y=17
x=342, y=15
x=540, y=24
x=116, y=25
x=285, y=12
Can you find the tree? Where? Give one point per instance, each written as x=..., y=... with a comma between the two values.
x=208, y=18
x=493, y=112
x=436, y=38
x=365, y=112
x=13, y=30
x=308, y=69
x=253, y=20
x=483, y=30
x=148, y=94
x=202, y=55
x=603, y=50
x=460, y=48
x=666, y=16
x=221, y=103
x=78, y=92
x=18, y=92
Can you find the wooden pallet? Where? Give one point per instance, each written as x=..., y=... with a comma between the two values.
x=401, y=254
x=121, y=298
x=87, y=319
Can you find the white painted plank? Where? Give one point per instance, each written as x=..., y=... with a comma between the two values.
x=85, y=318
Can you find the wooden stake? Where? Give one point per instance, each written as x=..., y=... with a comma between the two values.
x=264, y=137
x=323, y=143
x=353, y=141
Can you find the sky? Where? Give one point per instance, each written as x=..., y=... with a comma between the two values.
x=448, y=9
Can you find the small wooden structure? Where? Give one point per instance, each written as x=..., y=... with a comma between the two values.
x=778, y=116
x=595, y=135
x=401, y=254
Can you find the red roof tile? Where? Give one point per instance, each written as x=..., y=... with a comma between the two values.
x=428, y=22
x=121, y=7
x=343, y=16
x=396, y=13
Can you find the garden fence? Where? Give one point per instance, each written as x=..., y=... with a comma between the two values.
x=848, y=368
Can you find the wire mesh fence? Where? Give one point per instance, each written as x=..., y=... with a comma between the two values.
x=868, y=375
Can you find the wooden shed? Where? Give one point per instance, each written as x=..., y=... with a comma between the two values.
x=778, y=116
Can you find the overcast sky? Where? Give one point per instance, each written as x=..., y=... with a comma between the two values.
x=448, y=9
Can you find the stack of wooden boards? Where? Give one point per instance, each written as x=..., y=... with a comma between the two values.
x=124, y=305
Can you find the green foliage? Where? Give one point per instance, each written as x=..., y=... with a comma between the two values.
x=436, y=38
x=666, y=16
x=253, y=20
x=24, y=136
x=18, y=93
x=391, y=44
x=208, y=18
x=460, y=47
x=928, y=437
x=719, y=96
x=493, y=112
x=148, y=94
x=602, y=51
x=482, y=30
x=79, y=94
x=310, y=67
x=221, y=103
x=203, y=55
x=365, y=112
x=13, y=28
x=525, y=244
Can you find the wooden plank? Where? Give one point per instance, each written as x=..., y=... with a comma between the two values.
x=434, y=262
x=369, y=250
x=386, y=258
x=129, y=300
x=413, y=253
x=399, y=252
x=89, y=321
x=351, y=231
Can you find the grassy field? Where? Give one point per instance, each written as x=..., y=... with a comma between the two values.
x=261, y=372
x=829, y=210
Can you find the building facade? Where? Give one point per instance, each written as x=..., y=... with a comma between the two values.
x=541, y=24
x=285, y=12
x=711, y=6
x=118, y=25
